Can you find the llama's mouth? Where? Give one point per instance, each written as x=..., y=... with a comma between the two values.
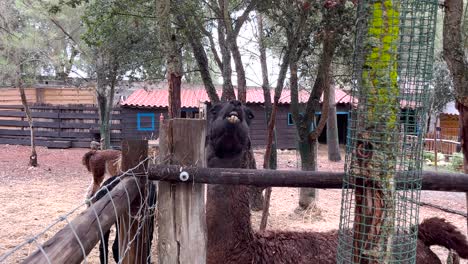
x=233, y=117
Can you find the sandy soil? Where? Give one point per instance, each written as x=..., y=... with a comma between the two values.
x=34, y=198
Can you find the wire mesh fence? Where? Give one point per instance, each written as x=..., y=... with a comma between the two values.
x=138, y=217
x=392, y=73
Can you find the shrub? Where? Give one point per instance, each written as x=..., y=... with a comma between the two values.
x=457, y=161
x=429, y=156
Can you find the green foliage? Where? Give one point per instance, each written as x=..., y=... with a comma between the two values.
x=456, y=161
x=428, y=155
x=122, y=34
x=22, y=40
x=442, y=87
x=46, y=44
x=282, y=15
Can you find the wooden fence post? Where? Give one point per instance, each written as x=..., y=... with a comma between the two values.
x=134, y=152
x=181, y=206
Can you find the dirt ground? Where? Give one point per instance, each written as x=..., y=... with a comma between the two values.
x=34, y=198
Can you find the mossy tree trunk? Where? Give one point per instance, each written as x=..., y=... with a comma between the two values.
x=376, y=148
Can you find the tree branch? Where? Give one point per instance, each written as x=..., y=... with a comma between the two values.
x=214, y=51
x=56, y=23
x=240, y=21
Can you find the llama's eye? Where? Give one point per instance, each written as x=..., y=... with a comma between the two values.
x=249, y=114
x=215, y=109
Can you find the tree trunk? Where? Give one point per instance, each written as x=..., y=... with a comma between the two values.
x=303, y=124
x=24, y=101
x=454, y=56
x=463, y=123
x=270, y=158
x=374, y=162
x=231, y=38
x=173, y=56
x=105, y=90
x=174, y=80
x=308, y=153
x=307, y=149
x=241, y=82
x=332, y=128
x=228, y=89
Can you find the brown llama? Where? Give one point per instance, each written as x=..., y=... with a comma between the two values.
x=100, y=163
x=231, y=238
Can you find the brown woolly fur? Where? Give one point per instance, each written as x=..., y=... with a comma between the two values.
x=231, y=238
x=438, y=232
x=100, y=162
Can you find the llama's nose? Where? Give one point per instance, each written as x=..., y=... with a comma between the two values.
x=236, y=102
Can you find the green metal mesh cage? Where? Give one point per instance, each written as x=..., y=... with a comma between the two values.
x=392, y=73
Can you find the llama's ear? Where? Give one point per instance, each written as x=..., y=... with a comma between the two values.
x=249, y=114
x=214, y=110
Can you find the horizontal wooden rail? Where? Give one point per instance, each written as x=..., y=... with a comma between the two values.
x=64, y=247
x=436, y=181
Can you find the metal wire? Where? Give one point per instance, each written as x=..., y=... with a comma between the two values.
x=392, y=71
x=141, y=214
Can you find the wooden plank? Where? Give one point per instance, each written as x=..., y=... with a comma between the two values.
x=85, y=116
x=40, y=95
x=50, y=115
x=65, y=247
x=58, y=144
x=70, y=100
x=181, y=208
x=11, y=132
x=75, y=125
x=78, y=116
x=15, y=107
x=86, y=134
x=434, y=181
x=15, y=123
x=93, y=126
x=134, y=152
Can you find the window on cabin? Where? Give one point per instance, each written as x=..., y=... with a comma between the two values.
x=145, y=121
x=189, y=113
x=290, y=120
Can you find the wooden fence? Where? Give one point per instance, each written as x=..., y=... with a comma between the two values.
x=56, y=126
x=446, y=143
x=49, y=94
x=181, y=206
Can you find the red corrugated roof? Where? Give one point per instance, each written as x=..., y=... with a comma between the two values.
x=192, y=95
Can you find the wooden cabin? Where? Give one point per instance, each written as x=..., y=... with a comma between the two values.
x=142, y=110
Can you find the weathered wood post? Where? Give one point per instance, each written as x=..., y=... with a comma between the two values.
x=181, y=206
x=134, y=152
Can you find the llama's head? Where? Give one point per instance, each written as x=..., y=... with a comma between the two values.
x=228, y=132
